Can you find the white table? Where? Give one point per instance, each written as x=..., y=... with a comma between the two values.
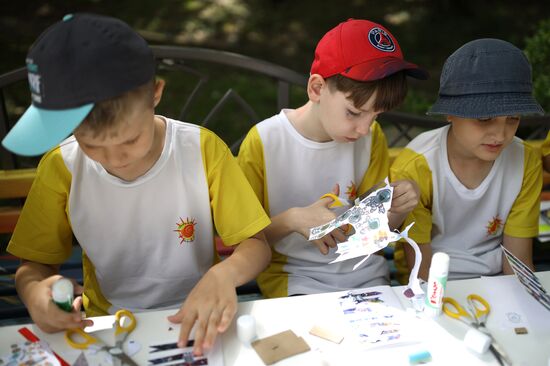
x=443, y=340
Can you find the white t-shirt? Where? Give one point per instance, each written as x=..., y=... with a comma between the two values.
x=468, y=224
x=287, y=170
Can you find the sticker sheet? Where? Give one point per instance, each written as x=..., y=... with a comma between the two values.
x=29, y=354
x=376, y=316
x=528, y=279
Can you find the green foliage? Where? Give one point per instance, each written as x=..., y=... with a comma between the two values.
x=538, y=51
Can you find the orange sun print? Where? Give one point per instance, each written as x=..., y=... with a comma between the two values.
x=493, y=227
x=186, y=230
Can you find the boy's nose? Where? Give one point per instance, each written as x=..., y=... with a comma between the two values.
x=499, y=128
x=363, y=128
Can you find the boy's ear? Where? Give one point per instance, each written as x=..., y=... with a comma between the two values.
x=315, y=85
x=159, y=88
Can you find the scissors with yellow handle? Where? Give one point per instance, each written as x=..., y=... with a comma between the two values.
x=341, y=201
x=475, y=314
x=125, y=323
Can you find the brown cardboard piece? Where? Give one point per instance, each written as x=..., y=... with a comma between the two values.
x=279, y=346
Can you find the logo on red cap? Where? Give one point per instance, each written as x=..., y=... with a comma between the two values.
x=381, y=40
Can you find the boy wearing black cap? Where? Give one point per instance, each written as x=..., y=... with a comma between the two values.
x=140, y=192
x=479, y=184
x=295, y=157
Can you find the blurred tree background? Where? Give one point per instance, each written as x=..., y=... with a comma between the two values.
x=285, y=32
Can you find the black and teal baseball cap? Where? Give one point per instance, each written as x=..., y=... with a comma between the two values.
x=82, y=60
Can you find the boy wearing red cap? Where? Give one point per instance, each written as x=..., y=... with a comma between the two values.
x=139, y=192
x=330, y=143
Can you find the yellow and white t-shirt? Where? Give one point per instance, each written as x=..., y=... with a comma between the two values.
x=146, y=243
x=287, y=170
x=468, y=224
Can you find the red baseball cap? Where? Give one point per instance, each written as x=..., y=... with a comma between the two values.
x=361, y=50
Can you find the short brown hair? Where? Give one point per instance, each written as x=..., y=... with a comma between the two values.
x=104, y=114
x=391, y=90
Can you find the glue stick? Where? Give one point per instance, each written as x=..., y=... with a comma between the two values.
x=437, y=280
x=62, y=294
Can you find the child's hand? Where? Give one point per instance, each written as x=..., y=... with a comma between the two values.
x=210, y=306
x=47, y=315
x=317, y=214
x=406, y=196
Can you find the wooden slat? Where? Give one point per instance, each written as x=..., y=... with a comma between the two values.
x=8, y=219
x=16, y=183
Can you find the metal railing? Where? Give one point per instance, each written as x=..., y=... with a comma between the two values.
x=400, y=127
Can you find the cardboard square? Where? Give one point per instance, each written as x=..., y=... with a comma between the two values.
x=279, y=346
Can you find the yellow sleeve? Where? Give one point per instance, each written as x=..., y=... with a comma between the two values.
x=523, y=219
x=545, y=147
x=413, y=166
x=237, y=213
x=251, y=161
x=379, y=160
x=43, y=233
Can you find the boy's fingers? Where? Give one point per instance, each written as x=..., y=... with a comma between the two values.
x=200, y=329
x=211, y=329
x=228, y=315
x=321, y=246
x=177, y=317
x=336, y=189
x=339, y=235
x=185, y=329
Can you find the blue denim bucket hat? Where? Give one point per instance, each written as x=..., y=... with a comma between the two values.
x=486, y=78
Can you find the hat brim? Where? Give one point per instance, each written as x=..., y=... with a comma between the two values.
x=486, y=105
x=381, y=67
x=38, y=130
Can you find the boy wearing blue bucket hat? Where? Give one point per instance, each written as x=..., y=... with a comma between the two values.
x=479, y=183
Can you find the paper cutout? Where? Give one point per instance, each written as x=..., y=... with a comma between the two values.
x=279, y=346
x=81, y=360
x=528, y=279
x=369, y=218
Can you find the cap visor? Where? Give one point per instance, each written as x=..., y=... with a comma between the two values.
x=486, y=105
x=38, y=130
x=382, y=67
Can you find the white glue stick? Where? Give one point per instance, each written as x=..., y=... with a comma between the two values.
x=437, y=280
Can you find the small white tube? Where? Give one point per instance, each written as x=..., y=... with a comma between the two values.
x=477, y=341
x=246, y=328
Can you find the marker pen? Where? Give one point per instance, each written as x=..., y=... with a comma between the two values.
x=62, y=294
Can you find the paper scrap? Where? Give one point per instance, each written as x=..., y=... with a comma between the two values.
x=328, y=334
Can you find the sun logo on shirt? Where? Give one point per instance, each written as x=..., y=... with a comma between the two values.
x=351, y=191
x=186, y=230
x=494, y=226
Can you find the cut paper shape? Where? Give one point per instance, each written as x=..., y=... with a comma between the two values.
x=369, y=218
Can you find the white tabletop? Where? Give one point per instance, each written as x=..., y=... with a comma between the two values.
x=442, y=337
